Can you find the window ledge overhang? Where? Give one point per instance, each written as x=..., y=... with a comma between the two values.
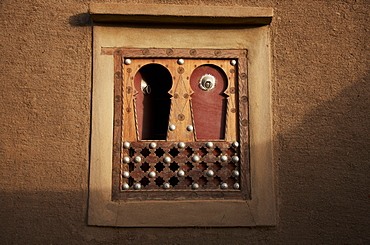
x=180, y=14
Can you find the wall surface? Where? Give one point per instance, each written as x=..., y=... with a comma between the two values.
x=321, y=124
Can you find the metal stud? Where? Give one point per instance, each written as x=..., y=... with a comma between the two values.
x=209, y=144
x=180, y=61
x=172, y=127
x=126, y=159
x=235, y=173
x=190, y=128
x=181, y=145
x=195, y=158
x=126, y=145
x=195, y=186
x=235, y=144
x=137, y=159
x=223, y=158
x=125, y=186
x=236, y=186
x=166, y=186
x=137, y=186
x=224, y=186
x=153, y=145
x=235, y=159
x=167, y=159
x=127, y=61
x=181, y=173
x=210, y=173
x=152, y=174
x=125, y=174
x=233, y=62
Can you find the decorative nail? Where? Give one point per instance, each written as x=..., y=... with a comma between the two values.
x=166, y=186
x=190, y=128
x=235, y=173
x=223, y=158
x=210, y=173
x=195, y=158
x=235, y=159
x=137, y=159
x=137, y=186
x=181, y=173
x=167, y=159
x=126, y=145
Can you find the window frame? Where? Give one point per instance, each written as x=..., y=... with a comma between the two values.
x=235, y=28
x=157, y=56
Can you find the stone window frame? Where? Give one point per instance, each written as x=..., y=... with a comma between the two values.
x=174, y=26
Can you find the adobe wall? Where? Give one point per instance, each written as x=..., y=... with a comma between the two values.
x=320, y=107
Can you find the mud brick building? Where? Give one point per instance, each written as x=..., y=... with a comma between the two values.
x=305, y=70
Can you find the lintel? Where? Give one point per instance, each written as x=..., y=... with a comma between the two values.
x=180, y=14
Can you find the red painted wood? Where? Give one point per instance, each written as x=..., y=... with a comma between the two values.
x=139, y=104
x=209, y=107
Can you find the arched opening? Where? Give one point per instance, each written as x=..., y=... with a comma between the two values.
x=209, y=102
x=153, y=81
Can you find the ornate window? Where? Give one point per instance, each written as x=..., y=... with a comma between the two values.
x=181, y=119
x=179, y=126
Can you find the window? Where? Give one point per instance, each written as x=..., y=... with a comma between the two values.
x=181, y=125
x=181, y=117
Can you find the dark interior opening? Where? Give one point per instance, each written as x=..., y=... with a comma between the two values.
x=153, y=102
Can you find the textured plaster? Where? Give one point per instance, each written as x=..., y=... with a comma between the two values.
x=321, y=127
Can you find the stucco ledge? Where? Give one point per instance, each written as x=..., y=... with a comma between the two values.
x=180, y=14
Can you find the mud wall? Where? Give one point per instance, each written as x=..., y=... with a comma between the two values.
x=320, y=60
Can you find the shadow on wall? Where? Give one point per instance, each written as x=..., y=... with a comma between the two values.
x=323, y=190
x=324, y=170
x=82, y=19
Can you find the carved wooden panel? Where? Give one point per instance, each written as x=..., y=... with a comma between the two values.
x=181, y=124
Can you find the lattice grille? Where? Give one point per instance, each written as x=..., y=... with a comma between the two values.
x=172, y=166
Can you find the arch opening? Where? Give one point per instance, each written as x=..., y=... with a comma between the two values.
x=209, y=102
x=153, y=102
